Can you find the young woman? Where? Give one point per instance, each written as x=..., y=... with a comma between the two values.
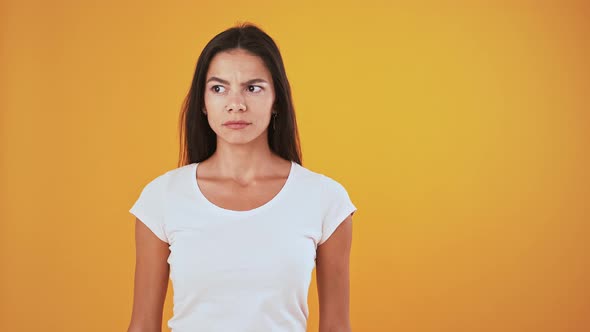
x=240, y=224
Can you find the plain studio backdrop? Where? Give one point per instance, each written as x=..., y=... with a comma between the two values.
x=460, y=130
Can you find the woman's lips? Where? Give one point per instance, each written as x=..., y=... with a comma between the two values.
x=236, y=125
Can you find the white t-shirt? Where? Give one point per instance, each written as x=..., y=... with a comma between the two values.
x=242, y=270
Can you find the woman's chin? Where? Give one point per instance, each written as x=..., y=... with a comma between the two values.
x=239, y=138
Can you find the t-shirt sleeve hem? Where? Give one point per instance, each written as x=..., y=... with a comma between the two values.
x=349, y=209
x=146, y=220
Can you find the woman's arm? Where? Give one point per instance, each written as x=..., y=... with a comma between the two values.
x=332, y=272
x=151, y=280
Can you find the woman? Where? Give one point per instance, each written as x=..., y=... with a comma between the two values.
x=239, y=226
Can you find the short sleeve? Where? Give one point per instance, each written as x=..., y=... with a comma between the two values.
x=149, y=207
x=337, y=207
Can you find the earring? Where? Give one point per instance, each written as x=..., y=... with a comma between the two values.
x=274, y=117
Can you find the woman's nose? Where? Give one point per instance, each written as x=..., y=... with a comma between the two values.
x=235, y=107
x=236, y=103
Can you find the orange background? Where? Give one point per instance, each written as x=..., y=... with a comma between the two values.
x=460, y=131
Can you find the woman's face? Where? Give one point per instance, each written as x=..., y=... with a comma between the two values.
x=238, y=87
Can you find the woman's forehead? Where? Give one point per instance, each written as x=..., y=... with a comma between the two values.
x=239, y=63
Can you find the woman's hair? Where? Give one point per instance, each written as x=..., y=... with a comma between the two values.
x=197, y=140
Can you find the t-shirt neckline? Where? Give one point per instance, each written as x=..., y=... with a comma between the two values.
x=211, y=206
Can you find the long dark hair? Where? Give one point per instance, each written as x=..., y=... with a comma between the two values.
x=197, y=140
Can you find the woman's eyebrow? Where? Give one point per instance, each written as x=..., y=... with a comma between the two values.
x=252, y=81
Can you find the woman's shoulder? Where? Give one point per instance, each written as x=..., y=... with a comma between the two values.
x=164, y=177
x=331, y=193
x=318, y=177
x=180, y=170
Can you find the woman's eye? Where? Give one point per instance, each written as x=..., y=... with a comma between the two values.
x=218, y=88
x=254, y=88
